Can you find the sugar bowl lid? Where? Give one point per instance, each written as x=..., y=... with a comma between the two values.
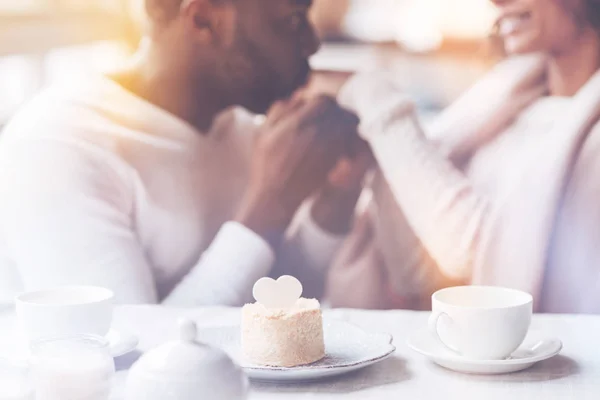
x=184, y=356
x=185, y=366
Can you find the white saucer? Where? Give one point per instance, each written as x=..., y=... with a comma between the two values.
x=347, y=347
x=121, y=343
x=535, y=348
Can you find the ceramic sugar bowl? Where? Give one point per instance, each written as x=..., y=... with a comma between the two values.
x=185, y=369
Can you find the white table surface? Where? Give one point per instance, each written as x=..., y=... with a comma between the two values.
x=575, y=374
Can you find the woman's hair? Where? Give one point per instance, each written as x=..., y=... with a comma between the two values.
x=585, y=12
x=591, y=10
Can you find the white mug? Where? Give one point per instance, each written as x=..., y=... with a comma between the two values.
x=481, y=322
x=65, y=311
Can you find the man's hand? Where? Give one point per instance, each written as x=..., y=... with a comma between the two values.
x=298, y=146
x=334, y=206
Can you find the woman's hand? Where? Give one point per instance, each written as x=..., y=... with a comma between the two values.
x=374, y=97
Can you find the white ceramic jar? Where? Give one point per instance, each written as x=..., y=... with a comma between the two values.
x=185, y=369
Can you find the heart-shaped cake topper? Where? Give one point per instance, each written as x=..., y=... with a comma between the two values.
x=280, y=293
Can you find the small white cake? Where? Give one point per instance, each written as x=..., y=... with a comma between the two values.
x=283, y=337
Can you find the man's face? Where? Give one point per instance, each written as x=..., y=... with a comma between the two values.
x=268, y=59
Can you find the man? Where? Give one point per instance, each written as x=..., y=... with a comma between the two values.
x=153, y=184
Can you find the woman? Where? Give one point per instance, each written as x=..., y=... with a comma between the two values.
x=502, y=189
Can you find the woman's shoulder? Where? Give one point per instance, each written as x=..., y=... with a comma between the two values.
x=592, y=142
x=586, y=167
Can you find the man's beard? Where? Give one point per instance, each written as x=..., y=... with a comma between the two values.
x=257, y=84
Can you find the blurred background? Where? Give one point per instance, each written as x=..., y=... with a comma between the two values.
x=436, y=48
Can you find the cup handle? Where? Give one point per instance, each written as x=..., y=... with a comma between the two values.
x=433, y=329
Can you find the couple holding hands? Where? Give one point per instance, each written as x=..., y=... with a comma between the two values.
x=160, y=182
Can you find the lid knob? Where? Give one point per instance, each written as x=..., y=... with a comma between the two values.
x=187, y=330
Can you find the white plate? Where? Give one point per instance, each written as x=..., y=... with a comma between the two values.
x=347, y=348
x=535, y=348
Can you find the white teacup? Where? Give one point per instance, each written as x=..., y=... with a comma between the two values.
x=481, y=322
x=65, y=311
